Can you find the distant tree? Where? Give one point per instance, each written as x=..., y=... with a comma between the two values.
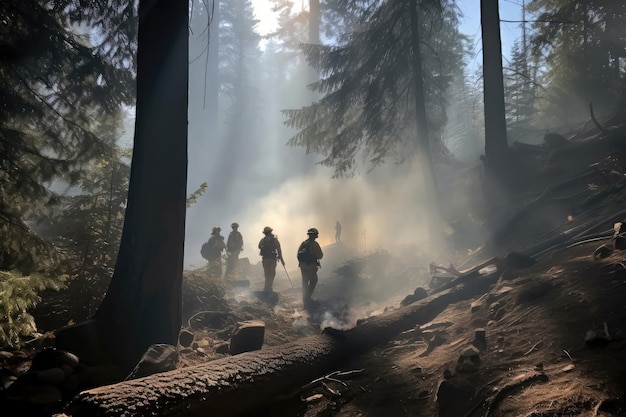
x=369, y=86
x=143, y=304
x=496, y=144
x=582, y=43
x=520, y=91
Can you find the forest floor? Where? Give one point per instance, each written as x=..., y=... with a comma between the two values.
x=546, y=340
x=538, y=358
x=545, y=351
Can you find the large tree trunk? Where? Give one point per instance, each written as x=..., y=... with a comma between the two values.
x=496, y=145
x=233, y=385
x=143, y=303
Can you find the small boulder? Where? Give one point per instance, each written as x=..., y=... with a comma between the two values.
x=248, y=336
x=158, y=358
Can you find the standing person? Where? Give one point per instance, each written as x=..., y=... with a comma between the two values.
x=270, y=252
x=234, y=246
x=338, y=232
x=212, y=252
x=309, y=255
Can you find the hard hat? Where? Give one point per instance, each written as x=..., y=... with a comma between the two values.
x=235, y=224
x=216, y=229
x=312, y=231
x=267, y=229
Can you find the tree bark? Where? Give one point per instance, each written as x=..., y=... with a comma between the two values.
x=233, y=385
x=423, y=138
x=496, y=145
x=143, y=303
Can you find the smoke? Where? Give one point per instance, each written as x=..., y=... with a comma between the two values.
x=385, y=210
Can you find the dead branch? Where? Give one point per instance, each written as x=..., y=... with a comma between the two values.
x=517, y=383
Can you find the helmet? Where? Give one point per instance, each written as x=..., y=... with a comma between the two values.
x=312, y=231
x=235, y=224
x=215, y=230
x=267, y=229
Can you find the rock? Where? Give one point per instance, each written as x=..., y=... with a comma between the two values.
x=419, y=294
x=222, y=348
x=470, y=351
x=248, y=336
x=454, y=398
x=480, y=339
x=475, y=306
x=466, y=366
x=602, y=251
x=66, y=358
x=185, y=338
x=157, y=358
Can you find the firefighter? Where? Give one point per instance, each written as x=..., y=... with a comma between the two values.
x=309, y=255
x=270, y=252
x=234, y=246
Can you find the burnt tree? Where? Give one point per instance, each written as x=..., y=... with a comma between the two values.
x=496, y=145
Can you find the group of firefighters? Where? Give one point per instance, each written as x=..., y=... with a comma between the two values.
x=309, y=255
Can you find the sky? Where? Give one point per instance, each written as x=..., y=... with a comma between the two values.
x=470, y=23
x=381, y=209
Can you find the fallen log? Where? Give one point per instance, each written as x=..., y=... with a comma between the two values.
x=234, y=385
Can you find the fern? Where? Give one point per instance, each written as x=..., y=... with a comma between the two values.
x=19, y=294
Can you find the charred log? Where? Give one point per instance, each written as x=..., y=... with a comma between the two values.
x=233, y=385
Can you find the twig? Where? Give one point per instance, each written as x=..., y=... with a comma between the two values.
x=500, y=394
x=568, y=355
x=533, y=347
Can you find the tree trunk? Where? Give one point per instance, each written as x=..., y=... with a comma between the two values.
x=315, y=20
x=237, y=384
x=423, y=139
x=143, y=303
x=496, y=145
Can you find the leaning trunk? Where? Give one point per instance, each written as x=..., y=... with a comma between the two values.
x=143, y=303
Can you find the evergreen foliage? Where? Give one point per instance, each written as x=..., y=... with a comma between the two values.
x=67, y=68
x=19, y=293
x=63, y=63
x=582, y=43
x=366, y=83
x=520, y=91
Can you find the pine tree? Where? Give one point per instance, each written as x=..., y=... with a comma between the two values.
x=367, y=86
x=63, y=63
x=582, y=44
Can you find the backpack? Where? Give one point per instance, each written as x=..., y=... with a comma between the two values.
x=304, y=253
x=204, y=250
x=268, y=247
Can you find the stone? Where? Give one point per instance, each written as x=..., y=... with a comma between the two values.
x=454, y=398
x=470, y=351
x=248, y=336
x=158, y=358
x=475, y=306
x=419, y=294
x=222, y=348
x=480, y=339
x=185, y=338
x=4, y=355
